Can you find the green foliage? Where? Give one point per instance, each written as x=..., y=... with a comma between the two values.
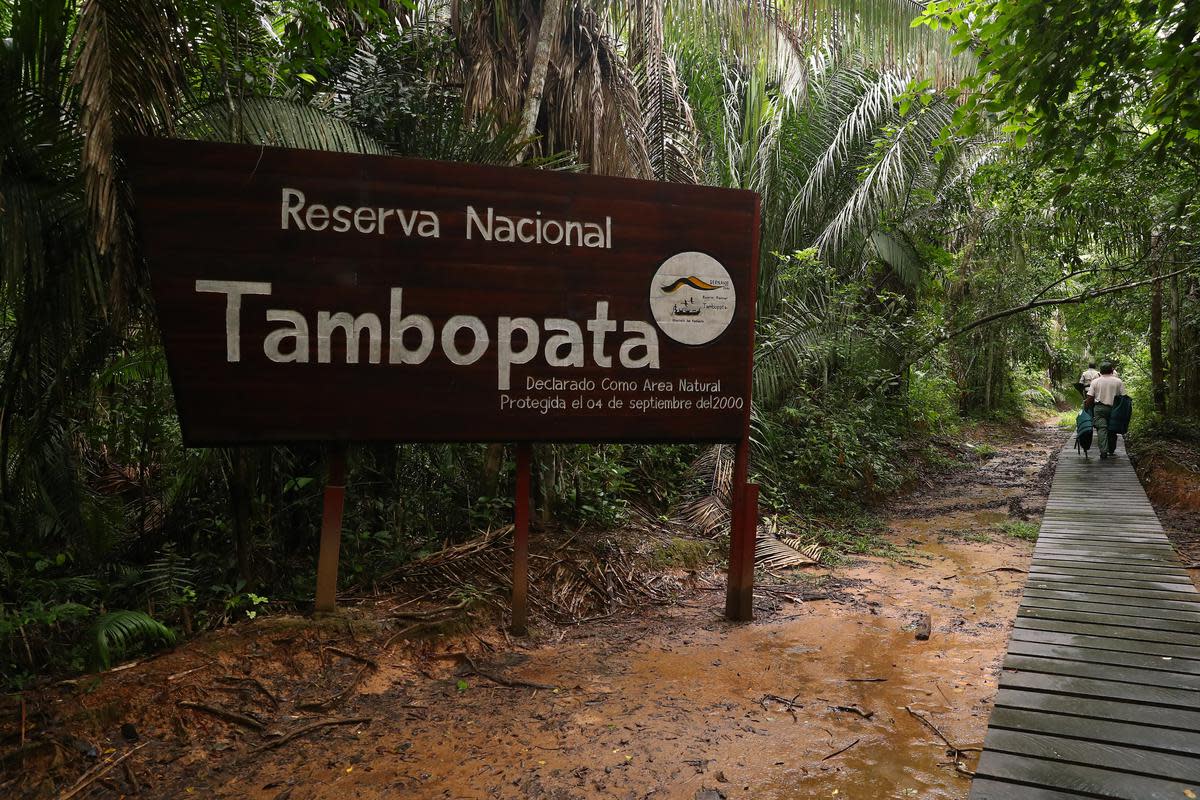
x=1019, y=529
x=680, y=553
x=1069, y=75
x=847, y=535
x=118, y=632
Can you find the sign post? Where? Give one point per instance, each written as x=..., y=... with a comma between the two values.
x=327, y=297
x=334, y=500
x=521, y=514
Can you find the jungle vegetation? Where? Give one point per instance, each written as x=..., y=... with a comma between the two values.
x=962, y=203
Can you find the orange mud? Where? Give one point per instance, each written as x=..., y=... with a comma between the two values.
x=672, y=702
x=1170, y=473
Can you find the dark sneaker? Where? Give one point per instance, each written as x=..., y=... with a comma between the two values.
x=1103, y=456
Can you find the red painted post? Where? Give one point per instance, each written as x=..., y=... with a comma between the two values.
x=743, y=522
x=749, y=535
x=520, y=582
x=739, y=596
x=331, y=530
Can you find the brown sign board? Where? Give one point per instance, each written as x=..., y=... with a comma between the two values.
x=314, y=296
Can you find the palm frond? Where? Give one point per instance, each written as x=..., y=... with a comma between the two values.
x=118, y=631
x=902, y=155
x=127, y=69
x=275, y=122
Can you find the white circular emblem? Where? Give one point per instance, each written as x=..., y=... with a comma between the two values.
x=692, y=298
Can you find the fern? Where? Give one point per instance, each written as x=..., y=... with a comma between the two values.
x=117, y=631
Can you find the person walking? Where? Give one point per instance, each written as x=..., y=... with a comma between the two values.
x=1102, y=394
x=1085, y=380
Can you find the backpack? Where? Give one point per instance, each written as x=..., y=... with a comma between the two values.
x=1122, y=412
x=1083, y=432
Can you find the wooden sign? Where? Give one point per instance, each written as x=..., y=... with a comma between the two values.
x=312, y=296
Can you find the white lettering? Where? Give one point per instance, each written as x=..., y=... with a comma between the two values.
x=506, y=356
x=647, y=339
x=571, y=337
x=364, y=220
x=353, y=327
x=473, y=217
x=233, y=291
x=450, y=331
x=341, y=218
x=397, y=325
x=298, y=333
x=286, y=208
x=578, y=228
x=317, y=217
x=521, y=227
x=599, y=326
x=504, y=230
x=430, y=226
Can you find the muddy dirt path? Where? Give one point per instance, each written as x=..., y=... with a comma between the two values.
x=821, y=698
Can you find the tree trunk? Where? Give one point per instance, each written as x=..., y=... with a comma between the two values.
x=551, y=11
x=1157, y=382
x=1190, y=348
x=1174, y=348
x=240, y=494
x=493, y=460
x=987, y=376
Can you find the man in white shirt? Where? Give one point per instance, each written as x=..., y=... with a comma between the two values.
x=1089, y=375
x=1102, y=394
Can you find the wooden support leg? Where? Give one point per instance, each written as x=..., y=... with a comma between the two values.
x=331, y=530
x=520, y=582
x=739, y=596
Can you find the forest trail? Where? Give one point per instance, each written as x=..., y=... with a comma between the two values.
x=828, y=694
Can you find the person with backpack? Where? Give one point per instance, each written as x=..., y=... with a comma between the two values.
x=1085, y=380
x=1102, y=396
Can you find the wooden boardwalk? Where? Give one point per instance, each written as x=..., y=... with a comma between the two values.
x=1100, y=692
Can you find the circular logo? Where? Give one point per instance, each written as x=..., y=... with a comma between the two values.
x=692, y=298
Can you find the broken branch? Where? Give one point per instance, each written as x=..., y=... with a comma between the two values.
x=839, y=752
x=307, y=729
x=98, y=772
x=929, y=724
x=502, y=680
x=225, y=714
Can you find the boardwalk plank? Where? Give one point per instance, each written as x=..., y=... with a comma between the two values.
x=1148, y=569
x=1124, y=621
x=1090, y=781
x=1107, y=643
x=1084, y=603
x=1108, y=672
x=1110, y=631
x=1066, y=705
x=1115, y=582
x=1119, y=591
x=1176, y=766
x=1115, y=657
x=988, y=789
x=1100, y=730
x=1084, y=688
x=1089, y=596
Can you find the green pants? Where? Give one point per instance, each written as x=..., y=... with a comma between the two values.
x=1107, y=442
